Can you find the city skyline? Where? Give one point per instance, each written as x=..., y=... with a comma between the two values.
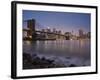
x=64, y=21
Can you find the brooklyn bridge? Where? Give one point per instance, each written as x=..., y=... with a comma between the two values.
x=31, y=33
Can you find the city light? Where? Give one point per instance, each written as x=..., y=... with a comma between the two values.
x=30, y=36
x=51, y=34
x=71, y=39
x=48, y=28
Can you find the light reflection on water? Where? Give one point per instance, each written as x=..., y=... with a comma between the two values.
x=73, y=48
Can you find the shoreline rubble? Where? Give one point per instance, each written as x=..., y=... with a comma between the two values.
x=36, y=62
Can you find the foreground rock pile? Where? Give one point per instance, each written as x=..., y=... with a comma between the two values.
x=35, y=62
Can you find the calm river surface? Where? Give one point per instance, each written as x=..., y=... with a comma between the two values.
x=63, y=48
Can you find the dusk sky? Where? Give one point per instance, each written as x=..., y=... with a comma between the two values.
x=64, y=21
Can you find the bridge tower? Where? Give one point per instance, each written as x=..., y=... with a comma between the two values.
x=31, y=26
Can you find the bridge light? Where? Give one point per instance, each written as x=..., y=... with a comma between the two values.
x=30, y=36
x=48, y=27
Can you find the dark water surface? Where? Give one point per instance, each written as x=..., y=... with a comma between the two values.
x=79, y=49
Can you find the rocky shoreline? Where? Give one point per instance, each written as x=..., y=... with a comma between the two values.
x=35, y=62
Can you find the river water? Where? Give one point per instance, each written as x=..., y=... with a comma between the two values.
x=79, y=49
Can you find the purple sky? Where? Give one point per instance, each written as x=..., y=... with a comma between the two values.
x=64, y=21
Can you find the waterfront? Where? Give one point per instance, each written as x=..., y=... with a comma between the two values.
x=75, y=51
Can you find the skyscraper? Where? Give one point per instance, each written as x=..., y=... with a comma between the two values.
x=54, y=30
x=81, y=33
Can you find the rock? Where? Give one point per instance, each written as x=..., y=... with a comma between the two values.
x=27, y=57
x=35, y=62
x=43, y=58
x=68, y=57
x=72, y=65
x=50, y=61
x=34, y=55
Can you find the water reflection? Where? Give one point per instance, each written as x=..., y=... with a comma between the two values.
x=73, y=48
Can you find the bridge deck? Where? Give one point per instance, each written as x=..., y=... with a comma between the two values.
x=46, y=32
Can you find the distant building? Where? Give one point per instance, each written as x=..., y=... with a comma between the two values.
x=59, y=32
x=48, y=29
x=89, y=34
x=43, y=30
x=54, y=30
x=81, y=33
x=68, y=35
